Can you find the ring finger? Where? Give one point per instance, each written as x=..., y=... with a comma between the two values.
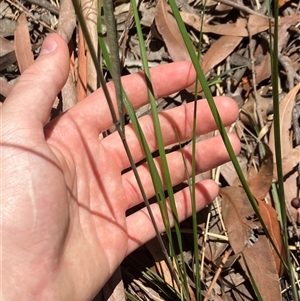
x=210, y=153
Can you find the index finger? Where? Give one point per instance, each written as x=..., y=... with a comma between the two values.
x=166, y=79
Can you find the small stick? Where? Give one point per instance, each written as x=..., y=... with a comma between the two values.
x=20, y=7
x=290, y=72
x=258, y=109
x=45, y=4
x=243, y=8
x=225, y=258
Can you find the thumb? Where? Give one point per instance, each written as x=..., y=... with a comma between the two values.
x=31, y=100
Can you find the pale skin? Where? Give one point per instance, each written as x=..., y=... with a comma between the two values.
x=64, y=227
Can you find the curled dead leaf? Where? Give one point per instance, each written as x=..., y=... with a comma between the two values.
x=168, y=29
x=269, y=216
x=257, y=24
x=289, y=162
x=260, y=184
x=283, y=2
x=236, y=210
x=285, y=108
x=283, y=33
x=219, y=50
x=23, y=45
x=229, y=29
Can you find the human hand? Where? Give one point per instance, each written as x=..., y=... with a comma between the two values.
x=64, y=228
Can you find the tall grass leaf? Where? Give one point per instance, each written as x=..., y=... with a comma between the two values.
x=114, y=50
x=217, y=118
x=159, y=191
x=274, y=50
x=165, y=169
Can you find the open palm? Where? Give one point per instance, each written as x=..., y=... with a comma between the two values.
x=64, y=197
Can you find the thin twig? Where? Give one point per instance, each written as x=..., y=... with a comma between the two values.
x=115, y=59
x=252, y=44
x=218, y=272
x=21, y=8
x=290, y=72
x=243, y=8
x=45, y=4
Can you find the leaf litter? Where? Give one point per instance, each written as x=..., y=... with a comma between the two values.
x=235, y=34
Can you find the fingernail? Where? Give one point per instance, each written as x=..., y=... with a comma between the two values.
x=48, y=46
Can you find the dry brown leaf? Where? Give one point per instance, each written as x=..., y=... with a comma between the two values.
x=168, y=28
x=260, y=184
x=283, y=2
x=241, y=293
x=229, y=173
x=290, y=192
x=269, y=216
x=285, y=109
x=257, y=24
x=289, y=162
x=219, y=51
x=229, y=29
x=263, y=70
x=283, y=33
x=222, y=9
x=235, y=210
x=23, y=45
x=263, y=269
x=248, y=115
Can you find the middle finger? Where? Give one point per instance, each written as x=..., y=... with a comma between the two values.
x=177, y=122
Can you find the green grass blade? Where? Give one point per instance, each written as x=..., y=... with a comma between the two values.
x=217, y=118
x=114, y=50
x=158, y=185
x=131, y=297
x=193, y=184
x=100, y=77
x=165, y=168
x=279, y=190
